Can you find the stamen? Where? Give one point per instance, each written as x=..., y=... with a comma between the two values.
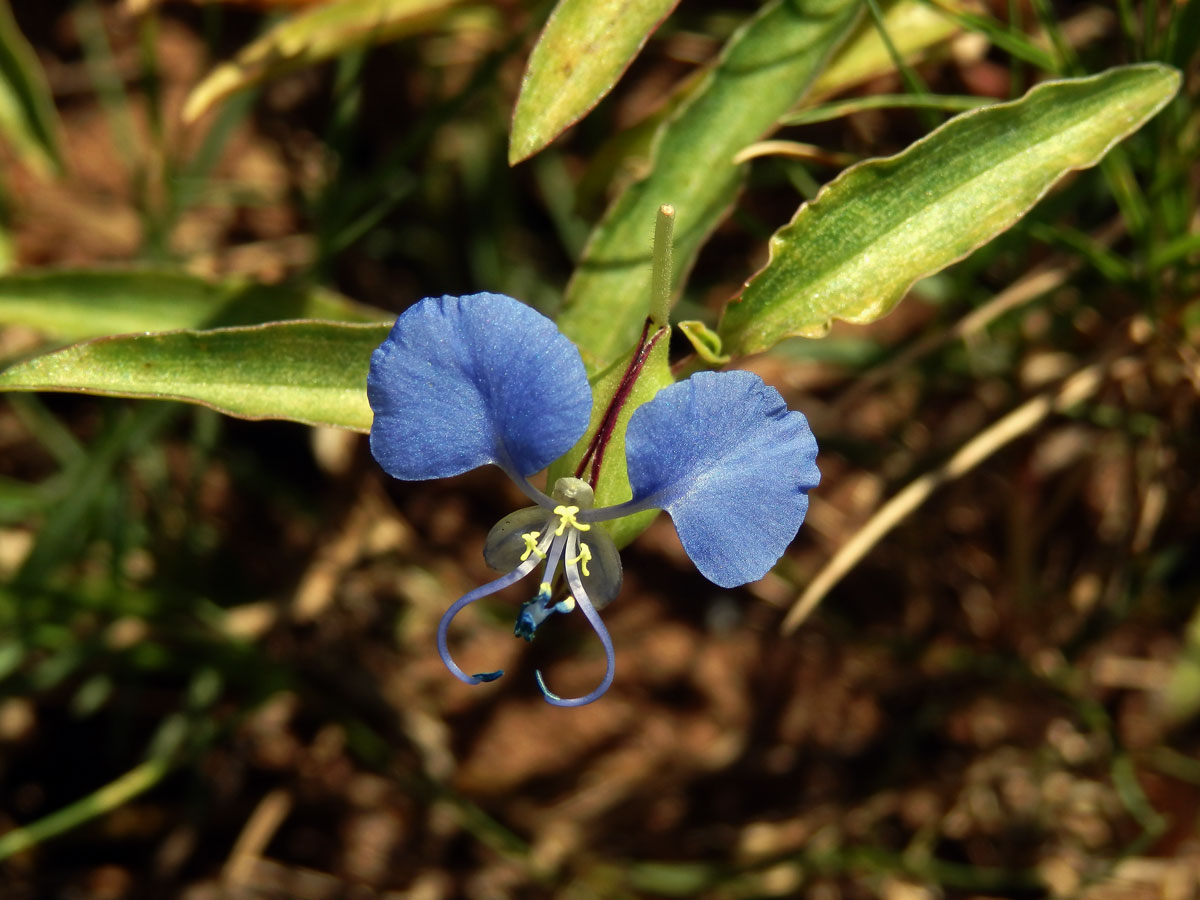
x=593, y=617
x=565, y=605
x=553, y=558
x=478, y=594
x=534, y=612
x=584, y=557
x=566, y=518
x=531, y=545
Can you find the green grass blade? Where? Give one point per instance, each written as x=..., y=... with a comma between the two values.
x=309, y=372
x=1003, y=36
x=101, y=801
x=883, y=224
x=1181, y=44
x=762, y=72
x=912, y=80
x=109, y=85
x=64, y=530
x=584, y=48
x=73, y=304
x=914, y=29
x=27, y=115
x=827, y=111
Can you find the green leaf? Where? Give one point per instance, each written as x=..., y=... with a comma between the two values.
x=854, y=251
x=612, y=486
x=582, y=51
x=309, y=372
x=705, y=341
x=27, y=116
x=318, y=33
x=761, y=73
x=72, y=304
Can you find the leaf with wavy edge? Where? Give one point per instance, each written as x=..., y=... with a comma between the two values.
x=854, y=251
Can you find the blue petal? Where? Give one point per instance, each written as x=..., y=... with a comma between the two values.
x=723, y=455
x=464, y=381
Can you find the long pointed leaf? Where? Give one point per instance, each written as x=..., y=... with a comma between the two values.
x=309, y=372
x=583, y=50
x=763, y=71
x=855, y=250
x=72, y=304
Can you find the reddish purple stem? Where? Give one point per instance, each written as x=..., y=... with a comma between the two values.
x=599, y=443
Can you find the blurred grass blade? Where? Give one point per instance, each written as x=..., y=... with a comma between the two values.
x=583, y=50
x=761, y=73
x=881, y=225
x=1005, y=37
x=100, y=802
x=828, y=111
x=27, y=117
x=309, y=372
x=1181, y=43
x=913, y=27
x=311, y=36
x=87, y=481
x=73, y=304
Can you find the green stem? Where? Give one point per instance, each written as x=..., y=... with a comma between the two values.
x=114, y=794
x=660, y=283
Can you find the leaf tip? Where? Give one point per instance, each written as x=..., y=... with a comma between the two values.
x=521, y=149
x=220, y=82
x=526, y=137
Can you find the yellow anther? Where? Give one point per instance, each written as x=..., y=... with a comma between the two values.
x=531, y=545
x=583, y=558
x=566, y=517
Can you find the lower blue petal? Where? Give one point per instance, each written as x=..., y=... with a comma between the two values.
x=465, y=381
x=721, y=453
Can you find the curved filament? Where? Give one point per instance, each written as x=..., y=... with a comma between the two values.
x=466, y=600
x=593, y=617
x=528, y=620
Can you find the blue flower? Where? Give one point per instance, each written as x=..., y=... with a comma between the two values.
x=461, y=382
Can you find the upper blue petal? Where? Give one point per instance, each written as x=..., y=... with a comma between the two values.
x=723, y=455
x=464, y=381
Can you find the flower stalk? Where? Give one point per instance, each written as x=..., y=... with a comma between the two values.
x=661, y=266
